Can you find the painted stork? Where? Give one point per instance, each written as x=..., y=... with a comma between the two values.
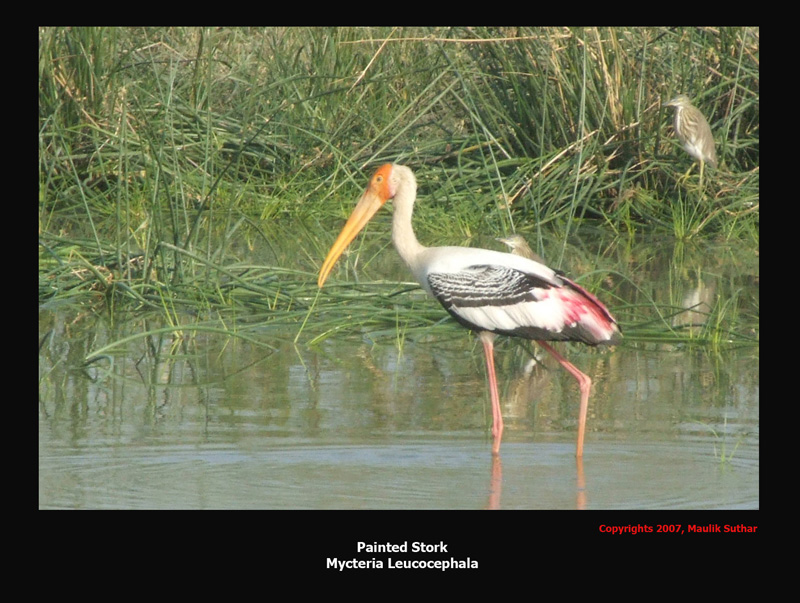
x=490, y=292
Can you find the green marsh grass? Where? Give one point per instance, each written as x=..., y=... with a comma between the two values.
x=201, y=174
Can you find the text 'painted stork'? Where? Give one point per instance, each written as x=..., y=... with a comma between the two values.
x=490, y=292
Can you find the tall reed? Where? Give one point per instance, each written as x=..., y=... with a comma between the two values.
x=168, y=155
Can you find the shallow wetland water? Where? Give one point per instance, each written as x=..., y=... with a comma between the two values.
x=198, y=420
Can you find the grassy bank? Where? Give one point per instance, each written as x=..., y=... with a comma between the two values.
x=169, y=155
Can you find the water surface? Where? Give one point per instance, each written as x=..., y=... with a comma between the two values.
x=204, y=421
x=351, y=425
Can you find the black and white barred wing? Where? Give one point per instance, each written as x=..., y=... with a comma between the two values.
x=509, y=301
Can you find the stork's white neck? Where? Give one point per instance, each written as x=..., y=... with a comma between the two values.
x=403, y=237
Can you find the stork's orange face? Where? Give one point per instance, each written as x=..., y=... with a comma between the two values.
x=378, y=192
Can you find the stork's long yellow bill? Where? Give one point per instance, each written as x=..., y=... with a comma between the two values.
x=371, y=201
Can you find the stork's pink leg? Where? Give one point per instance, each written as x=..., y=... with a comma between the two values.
x=497, y=417
x=585, y=384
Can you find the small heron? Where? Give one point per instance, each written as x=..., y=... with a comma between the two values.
x=693, y=131
x=519, y=246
